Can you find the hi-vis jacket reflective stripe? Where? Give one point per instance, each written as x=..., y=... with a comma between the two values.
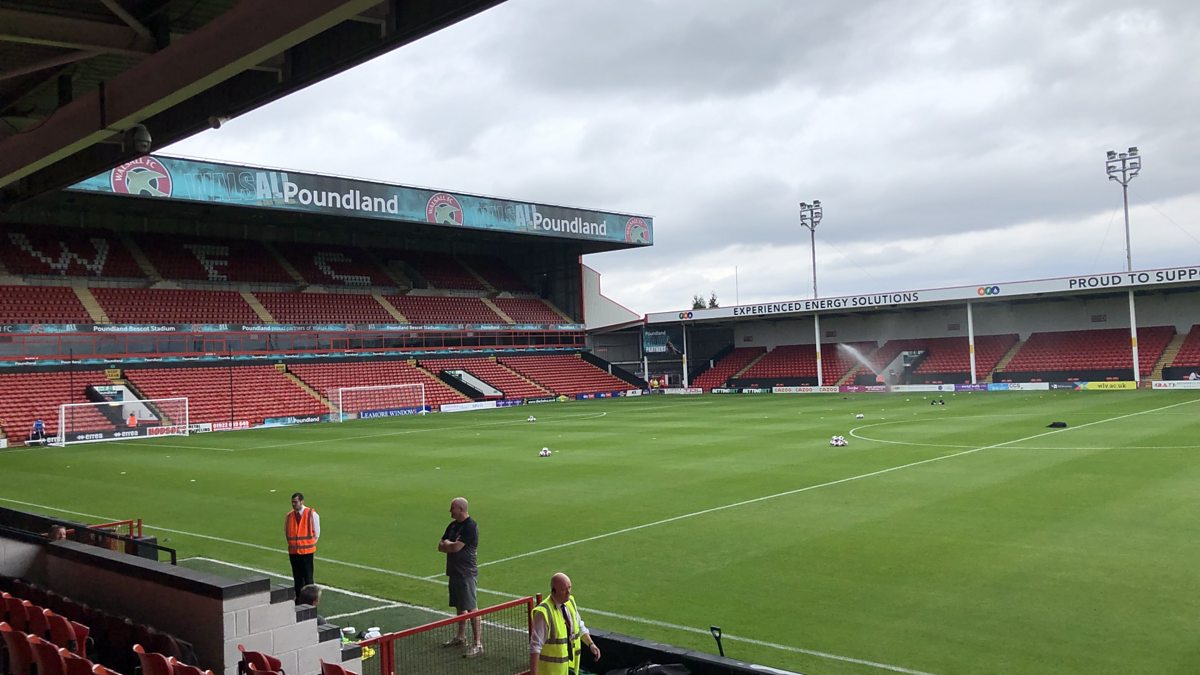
x=301, y=536
x=555, y=658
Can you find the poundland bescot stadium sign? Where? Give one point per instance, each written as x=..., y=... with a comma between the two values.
x=209, y=182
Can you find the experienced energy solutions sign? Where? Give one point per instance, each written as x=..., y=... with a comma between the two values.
x=991, y=291
x=191, y=180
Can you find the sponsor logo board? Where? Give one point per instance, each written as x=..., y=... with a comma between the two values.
x=1175, y=384
x=683, y=391
x=633, y=392
x=805, y=390
x=389, y=412
x=1105, y=386
x=463, y=407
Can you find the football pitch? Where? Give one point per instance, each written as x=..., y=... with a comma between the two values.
x=965, y=538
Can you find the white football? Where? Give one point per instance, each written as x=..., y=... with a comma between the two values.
x=859, y=416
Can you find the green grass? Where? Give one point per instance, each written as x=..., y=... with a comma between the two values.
x=983, y=543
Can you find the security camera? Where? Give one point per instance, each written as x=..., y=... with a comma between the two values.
x=138, y=138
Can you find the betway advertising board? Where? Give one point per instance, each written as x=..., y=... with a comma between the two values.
x=172, y=178
x=985, y=292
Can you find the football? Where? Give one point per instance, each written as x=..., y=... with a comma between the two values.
x=859, y=416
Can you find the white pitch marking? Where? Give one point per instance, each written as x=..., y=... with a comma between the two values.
x=819, y=485
x=502, y=594
x=613, y=615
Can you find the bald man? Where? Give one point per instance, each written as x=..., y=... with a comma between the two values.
x=459, y=542
x=557, y=631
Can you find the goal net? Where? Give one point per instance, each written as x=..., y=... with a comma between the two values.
x=387, y=400
x=121, y=420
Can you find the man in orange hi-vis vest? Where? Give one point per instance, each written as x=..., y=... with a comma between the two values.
x=302, y=527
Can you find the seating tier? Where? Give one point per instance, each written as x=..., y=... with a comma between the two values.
x=63, y=252
x=28, y=396
x=145, y=305
x=787, y=361
x=328, y=377
x=1104, y=349
x=1189, y=351
x=323, y=308
x=215, y=260
x=528, y=310
x=332, y=265
x=513, y=385
x=437, y=309
x=257, y=392
x=564, y=374
x=727, y=367
x=41, y=304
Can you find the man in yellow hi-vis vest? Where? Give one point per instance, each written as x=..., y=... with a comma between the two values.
x=557, y=631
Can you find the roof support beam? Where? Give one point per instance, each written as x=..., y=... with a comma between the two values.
x=248, y=34
x=56, y=31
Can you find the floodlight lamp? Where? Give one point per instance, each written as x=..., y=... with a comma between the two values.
x=1133, y=150
x=804, y=205
x=1112, y=154
x=817, y=203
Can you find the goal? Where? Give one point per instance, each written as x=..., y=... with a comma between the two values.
x=387, y=400
x=121, y=420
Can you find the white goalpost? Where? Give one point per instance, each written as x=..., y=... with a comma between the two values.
x=387, y=400
x=121, y=420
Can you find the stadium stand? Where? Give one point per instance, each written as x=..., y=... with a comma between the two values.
x=145, y=305
x=1081, y=350
x=257, y=392
x=212, y=260
x=326, y=378
x=513, y=385
x=564, y=374
x=323, y=308
x=496, y=272
x=41, y=304
x=438, y=309
x=788, y=361
x=528, y=310
x=727, y=367
x=440, y=270
x=1189, y=351
x=28, y=396
x=334, y=265
x=948, y=355
x=61, y=252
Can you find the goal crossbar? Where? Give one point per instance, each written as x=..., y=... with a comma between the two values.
x=385, y=400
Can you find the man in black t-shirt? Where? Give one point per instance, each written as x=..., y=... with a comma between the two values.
x=459, y=542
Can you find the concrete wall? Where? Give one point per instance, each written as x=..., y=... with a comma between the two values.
x=213, y=613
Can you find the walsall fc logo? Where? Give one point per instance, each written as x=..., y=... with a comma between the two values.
x=144, y=176
x=637, y=231
x=443, y=209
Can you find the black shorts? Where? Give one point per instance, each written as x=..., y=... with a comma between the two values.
x=462, y=593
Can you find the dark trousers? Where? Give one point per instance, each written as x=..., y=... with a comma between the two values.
x=302, y=570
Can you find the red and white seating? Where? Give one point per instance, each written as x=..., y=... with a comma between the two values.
x=497, y=272
x=323, y=308
x=63, y=252
x=28, y=396
x=212, y=260
x=41, y=304
x=441, y=270
x=443, y=309
x=332, y=265
x=328, y=377
x=788, y=361
x=1189, y=351
x=488, y=370
x=727, y=367
x=257, y=392
x=564, y=374
x=1104, y=349
x=528, y=310
x=146, y=305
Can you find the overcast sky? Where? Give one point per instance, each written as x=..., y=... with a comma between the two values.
x=950, y=143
